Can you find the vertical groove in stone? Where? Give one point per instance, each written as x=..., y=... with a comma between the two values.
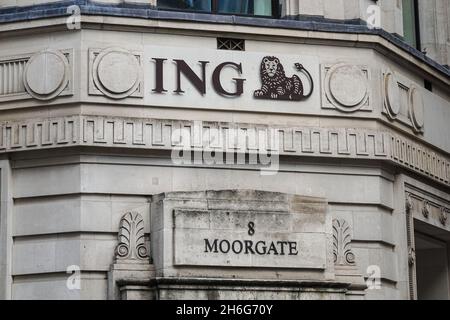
x=11, y=77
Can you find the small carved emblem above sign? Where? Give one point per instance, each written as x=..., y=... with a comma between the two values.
x=277, y=86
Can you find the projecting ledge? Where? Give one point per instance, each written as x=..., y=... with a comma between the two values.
x=207, y=288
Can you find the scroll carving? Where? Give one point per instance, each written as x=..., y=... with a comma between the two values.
x=131, y=238
x=343, y=254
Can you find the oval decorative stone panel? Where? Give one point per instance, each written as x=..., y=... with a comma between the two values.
x=46, y=74
x=392, y=94
x=346, y=87
x=416, y=108
x=116, y=73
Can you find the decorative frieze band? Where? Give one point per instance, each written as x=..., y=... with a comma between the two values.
x=228, y=137
x=36, y=134
x=166, y=134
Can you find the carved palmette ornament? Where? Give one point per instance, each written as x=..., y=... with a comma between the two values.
x=131, y=238
x=343, y=254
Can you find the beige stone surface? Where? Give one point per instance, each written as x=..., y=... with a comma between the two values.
x=84, y=140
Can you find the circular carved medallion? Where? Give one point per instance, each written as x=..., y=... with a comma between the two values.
x=392, y=94
x=347, y=87
x=416, y=108
x=45, y=74
x=116, y=73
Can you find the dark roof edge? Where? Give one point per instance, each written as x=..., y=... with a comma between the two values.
x=87, y=7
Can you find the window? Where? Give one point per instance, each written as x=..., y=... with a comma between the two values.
x=194, y=5
x=237, y=7
x=411, y=32
x=248, y=7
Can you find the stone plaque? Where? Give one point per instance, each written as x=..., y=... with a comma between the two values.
x=249, y=239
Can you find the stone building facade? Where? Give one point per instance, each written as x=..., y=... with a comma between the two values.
x=155, y=149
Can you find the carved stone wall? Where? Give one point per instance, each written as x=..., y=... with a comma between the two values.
x=201, y=235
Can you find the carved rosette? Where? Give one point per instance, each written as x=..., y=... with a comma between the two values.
x=131, y=238
x=426, y=209
x=342, y=251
